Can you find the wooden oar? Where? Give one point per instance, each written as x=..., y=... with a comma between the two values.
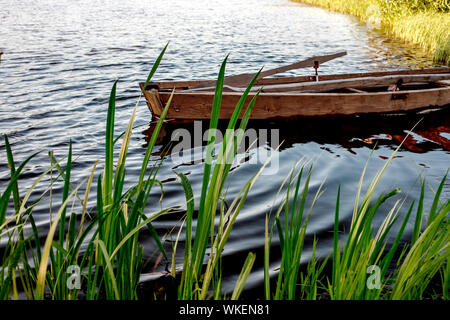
x=242, y=80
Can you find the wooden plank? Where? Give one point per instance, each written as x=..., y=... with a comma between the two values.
x=288, y=105
x=393, y=87
x=443, y=83
x=356, y=90
x=226, y=88
x=366, y=82
x=297, y=79
x=328, y=85
x=153, y=100
x=282, y=80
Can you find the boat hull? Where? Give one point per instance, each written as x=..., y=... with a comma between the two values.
x=197, y=105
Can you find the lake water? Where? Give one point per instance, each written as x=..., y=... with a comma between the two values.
x=61, y=58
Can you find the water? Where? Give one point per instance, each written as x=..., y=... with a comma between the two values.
x=61, y=58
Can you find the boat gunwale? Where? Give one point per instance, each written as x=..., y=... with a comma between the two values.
x=304, y=78
x=300, y=94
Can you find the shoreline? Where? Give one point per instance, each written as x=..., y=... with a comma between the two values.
x=428, y=27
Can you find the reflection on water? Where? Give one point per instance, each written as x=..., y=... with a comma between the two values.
x=61, y=58
x=431, y=131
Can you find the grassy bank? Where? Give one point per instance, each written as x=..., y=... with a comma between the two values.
x=103, y=243
x=422, y=22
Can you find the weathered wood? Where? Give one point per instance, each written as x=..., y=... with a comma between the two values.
x=153, y=100
x=311, y=100
x=311, y=62
x=284, y=80
x=328, y=85
x=226, y=88
x=393, y=87
x=356, y=90
x=242, y=80
x=366, y=82
x=443, y=83
x=288, y=105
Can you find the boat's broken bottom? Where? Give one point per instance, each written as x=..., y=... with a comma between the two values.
x=291, y=97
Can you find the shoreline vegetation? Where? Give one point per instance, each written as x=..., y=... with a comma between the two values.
x=422, y=22
x=92, y=250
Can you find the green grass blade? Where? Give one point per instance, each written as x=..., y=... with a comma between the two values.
x=153, y=138
x=155, y=65
x=245, y=272
x=41, y=276
x=109, y=268
x=12, y=168
x=419, y=215
x=62, y=227
x=4, y=199
x=433, y=209
x=336, y=248
x=109, y=146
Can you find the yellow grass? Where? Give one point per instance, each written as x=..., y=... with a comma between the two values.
x=425, y=26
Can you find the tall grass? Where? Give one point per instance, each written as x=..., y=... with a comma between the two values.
x=292, y=234
x=106, y=249
x=113, y=258
x=194, y=283
x=422, y=22
x=402, y=270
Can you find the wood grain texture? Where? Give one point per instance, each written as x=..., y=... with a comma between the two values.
x=364, y=82
x=328, y=85
x=287, y=105
x=279, y=104
x=242, y=80
x=283, y=80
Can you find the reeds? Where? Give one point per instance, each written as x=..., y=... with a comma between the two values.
x=192, y=286
x=292, y=234
x=104, y=246
x=423, y=22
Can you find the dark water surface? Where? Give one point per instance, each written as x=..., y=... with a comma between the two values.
x=61, y=58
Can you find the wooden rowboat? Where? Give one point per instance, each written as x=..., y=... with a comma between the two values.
x=290, y=97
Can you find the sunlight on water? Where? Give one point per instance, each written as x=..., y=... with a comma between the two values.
x=61, y=58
